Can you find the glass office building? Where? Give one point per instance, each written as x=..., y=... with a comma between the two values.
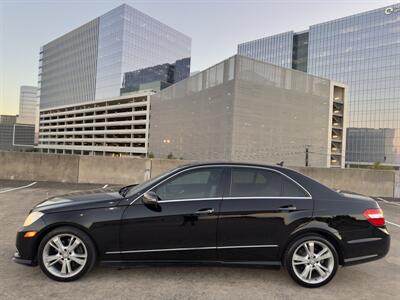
x=155, y=77
x=276, y=49
x=91, y=62
x=362, y=51
x=14, y=136
x=28, y=105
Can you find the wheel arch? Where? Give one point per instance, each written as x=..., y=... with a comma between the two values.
x=333, y=237
x=53, y=226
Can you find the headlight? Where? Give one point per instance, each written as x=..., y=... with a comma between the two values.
x=32, y=217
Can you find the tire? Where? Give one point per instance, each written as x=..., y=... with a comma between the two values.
x=311, y=261
x=76, y=257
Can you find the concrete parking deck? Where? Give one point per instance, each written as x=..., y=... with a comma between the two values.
x=375, y=280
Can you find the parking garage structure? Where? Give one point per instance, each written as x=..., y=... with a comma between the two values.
x=109, y=127
x=243, y=109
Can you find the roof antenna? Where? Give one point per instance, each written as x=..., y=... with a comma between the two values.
x=280, y=163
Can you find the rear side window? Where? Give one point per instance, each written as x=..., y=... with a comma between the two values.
x=291, y=189
x=248, y=182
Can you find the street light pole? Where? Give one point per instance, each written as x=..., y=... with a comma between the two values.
x=306, y=158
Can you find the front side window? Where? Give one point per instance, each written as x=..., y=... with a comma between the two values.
x=194, y=184
x=140, y=187
x=248, y=182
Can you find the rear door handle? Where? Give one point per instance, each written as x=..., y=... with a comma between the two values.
x=288, y=208
x=205, y=211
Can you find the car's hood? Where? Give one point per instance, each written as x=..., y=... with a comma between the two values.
x=81, y=200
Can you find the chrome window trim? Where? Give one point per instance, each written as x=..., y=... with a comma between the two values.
x=230, y=166
x=193, y=199
x=172, y=175
x=268, y=197
x=229, y=198
x=281, y=173
x=192, y=249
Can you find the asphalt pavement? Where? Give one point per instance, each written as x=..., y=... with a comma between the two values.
x=375, y=280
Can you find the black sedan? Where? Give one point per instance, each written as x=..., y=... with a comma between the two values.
x=214, y=213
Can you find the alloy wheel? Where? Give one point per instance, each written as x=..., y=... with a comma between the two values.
x=313, y=262
x=64, y=255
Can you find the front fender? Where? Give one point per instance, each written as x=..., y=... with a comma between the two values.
x=101, y=224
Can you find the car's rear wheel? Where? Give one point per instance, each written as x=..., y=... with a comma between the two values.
x=311, y=261
x=66, y=254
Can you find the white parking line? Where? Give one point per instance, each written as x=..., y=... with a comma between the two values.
x=18, y=188
x=394, y=224
x=389, y=202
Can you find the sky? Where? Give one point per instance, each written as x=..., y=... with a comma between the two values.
x=216, y=28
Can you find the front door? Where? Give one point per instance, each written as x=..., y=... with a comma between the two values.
x=183, y=226
x=256, y=218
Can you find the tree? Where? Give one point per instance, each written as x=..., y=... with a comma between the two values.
x=377, y=166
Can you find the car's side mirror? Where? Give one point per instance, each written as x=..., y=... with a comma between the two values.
x=150, y=198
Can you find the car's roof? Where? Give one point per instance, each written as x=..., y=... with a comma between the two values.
x=313, y=187
x=232, y=163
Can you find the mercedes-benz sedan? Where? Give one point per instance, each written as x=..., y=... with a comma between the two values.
x=214, y=213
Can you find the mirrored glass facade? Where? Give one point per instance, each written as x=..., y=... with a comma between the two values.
x=122, y=51
x=276, y=49
x=67, y=67
x=300, y=51
x=136, y=51
x=28, y=105
x=362, y=51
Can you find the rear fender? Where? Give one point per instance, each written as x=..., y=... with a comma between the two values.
x=320, y=228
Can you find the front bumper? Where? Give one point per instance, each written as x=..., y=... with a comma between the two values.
x=19, y=260
x=27, y=247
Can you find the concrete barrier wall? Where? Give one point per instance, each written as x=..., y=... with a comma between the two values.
x=38, y=167
x=159, y=166
x=126, y=170
x=397, y=185
x=112, y=170
x=368, y=182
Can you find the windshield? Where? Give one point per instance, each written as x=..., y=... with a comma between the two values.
x=134, y=189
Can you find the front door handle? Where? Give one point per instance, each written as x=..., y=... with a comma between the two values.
x=287, y=208
x=205, y=211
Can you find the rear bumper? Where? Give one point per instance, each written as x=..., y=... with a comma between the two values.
x=368, y=249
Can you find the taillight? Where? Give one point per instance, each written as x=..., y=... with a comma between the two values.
x=374, y=216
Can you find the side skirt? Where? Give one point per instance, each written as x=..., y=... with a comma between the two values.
x=139, y=263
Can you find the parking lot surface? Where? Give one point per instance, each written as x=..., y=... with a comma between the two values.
x=375, y=280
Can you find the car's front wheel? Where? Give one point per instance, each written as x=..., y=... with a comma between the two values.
x=311, y=261
x=66, y=254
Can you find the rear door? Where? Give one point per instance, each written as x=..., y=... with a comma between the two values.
x=262, y=207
